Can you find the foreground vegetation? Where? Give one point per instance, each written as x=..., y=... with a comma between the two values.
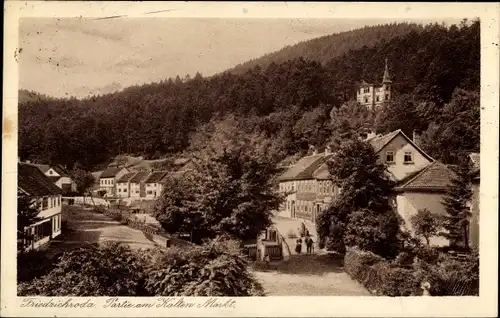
x=213, y=269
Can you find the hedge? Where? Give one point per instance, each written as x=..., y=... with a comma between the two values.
x=447, y=277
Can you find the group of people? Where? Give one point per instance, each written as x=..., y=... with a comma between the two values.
x=309, y=244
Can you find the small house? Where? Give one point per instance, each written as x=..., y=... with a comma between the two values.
x=108, y=178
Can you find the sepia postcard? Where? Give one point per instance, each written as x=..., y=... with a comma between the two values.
x=250, y=159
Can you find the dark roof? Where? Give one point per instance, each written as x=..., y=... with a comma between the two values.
x=380, y=142
x=155, y=176
x=32, y=181
x=110, y=172
x=139, y=177
x=322, y=172
x=304, y=168
x=43, y=168
x=126, y=177
x=57, y=168
x=435, y=176
x=54, y=178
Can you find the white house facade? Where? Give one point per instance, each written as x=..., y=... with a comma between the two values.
x=37, y=187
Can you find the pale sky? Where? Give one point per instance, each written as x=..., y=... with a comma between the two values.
x=79, y=57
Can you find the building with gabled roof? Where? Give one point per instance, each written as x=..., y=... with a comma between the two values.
x=424, y=189
x=153, y=185
x=123, y=185
x=108, y=178
x=137, y=187
x=308, y=185
x=301, y=187
x=34, y=184
x=400, y=153
x=59, y=176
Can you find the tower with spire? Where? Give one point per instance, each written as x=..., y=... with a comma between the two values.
x=373, y=96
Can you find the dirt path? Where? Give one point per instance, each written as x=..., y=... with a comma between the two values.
x=85, y=226
x=309, y=275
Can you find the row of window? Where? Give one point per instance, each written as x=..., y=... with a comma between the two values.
x=365, y=90
x=377, y=98
x=107, y=181
x=322, y=187
x=408, y=157
x=51, y=202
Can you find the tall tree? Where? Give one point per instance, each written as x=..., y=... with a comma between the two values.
x=232, y=189
x=363, y=212
x=456, y=202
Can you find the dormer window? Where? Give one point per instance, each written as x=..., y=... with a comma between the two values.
x=366, y=90
x=389, y=157
x=408, y=157
x=50, y=171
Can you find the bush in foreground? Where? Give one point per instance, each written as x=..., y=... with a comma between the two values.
x=214, y=269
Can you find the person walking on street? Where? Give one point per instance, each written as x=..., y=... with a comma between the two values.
x=298, y=247
x=309, y=244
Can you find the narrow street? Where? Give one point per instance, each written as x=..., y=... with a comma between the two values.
x=85, y=226
x=316, y=274
x=309, y=275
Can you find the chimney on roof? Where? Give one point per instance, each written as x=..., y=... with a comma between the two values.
x=416, y=137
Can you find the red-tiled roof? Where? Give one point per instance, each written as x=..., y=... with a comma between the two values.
x=155, y=176
x=32, y=181
x=304, y=168
x=139, y=177
x=126, y=177
x=434, y=177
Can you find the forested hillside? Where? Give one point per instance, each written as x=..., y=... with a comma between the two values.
x=325, y=48
x=296, y=103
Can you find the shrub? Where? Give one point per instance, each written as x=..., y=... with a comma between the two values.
x=373, y=231
x=213, y=269
x=93, y=270
x=449, y=276
x=357, y=263
x=392, y=280
x=379, y=276
x=291, y=234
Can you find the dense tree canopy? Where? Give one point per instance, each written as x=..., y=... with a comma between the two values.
x=286, y=100
x=231, y=189
x=362, y=215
